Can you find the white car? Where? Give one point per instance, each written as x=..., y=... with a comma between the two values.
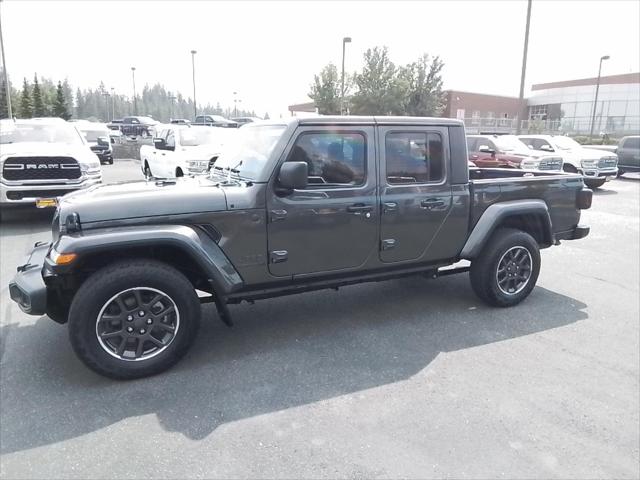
x=597, y=166
x=43, y=157
x=181, y=150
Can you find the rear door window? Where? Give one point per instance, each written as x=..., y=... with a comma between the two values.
x=414, y=157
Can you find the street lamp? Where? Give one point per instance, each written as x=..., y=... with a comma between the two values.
x=595, y=101
x=106, y=105
x=171, y=99
x=113, y=103
x=235, y=104
x=193, y=68
x=135, y=100
x=524, y=70
x=345, y=40
x=6, y=76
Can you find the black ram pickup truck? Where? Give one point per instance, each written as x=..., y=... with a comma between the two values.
x=295, y=205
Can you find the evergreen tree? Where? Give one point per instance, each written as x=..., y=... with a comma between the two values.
x=79, y=104
x=26, y=107
x=60, y=104
x=266, y=115
x=38, y=104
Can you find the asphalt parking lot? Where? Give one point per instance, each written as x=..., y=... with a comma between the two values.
x=407, y=378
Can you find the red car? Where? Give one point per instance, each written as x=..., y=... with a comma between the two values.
x=507, y=151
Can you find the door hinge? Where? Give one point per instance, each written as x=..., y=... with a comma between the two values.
x=388, y=244
x=278, y=256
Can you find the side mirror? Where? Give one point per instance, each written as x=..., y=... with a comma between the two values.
x=486, y=149
x=547, y=148
x=293, y=175
x=159, y=143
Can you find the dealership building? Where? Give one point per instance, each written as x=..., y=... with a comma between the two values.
x=569, y=104
x=556, y=107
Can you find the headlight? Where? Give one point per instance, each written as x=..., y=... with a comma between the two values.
x=588, y=163
x=530, y=164
x=90, y=167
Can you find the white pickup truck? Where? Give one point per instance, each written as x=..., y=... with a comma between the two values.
x=596, y=166
x=181, y=150
x=43, y=157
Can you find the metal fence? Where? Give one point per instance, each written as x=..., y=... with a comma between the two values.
x=475, y=125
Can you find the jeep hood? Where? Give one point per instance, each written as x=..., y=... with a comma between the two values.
x=141, y=199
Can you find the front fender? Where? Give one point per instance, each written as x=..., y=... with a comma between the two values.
x=197, y=244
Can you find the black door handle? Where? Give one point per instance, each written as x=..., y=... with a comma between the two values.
x=359, y=208
x=432, y=203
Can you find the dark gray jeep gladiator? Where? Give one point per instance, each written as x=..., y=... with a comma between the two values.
x=292, y=206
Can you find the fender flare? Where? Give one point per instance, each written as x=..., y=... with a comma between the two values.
x=200, y=247
x=495, y=214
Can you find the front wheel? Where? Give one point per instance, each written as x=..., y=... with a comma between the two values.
x=133, y=319
x=593, y=184
x=506, y=271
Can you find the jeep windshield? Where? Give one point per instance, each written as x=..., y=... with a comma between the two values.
x=248, y=152
x=45, y=133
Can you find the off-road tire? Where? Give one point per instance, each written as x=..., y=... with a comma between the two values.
x=97, y=291
x=484, y=268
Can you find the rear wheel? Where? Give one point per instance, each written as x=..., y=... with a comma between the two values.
x=506, y=271
x=133, y=319
x=179, y=173
x=621, y=172
x=593, y=184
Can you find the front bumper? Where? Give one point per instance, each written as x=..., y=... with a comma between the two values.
x=17, y=193
x=576, y=233
x=27, y=288
x=607, y=173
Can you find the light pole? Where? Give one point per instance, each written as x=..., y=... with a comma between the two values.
x=106, y=105
x=345, y=40
x=524, y=69
x=193, y=68
x=6, y=76
x=113, y=103
x=595, y=101
x=135, y=100
x=171, y=99
x=235, y=104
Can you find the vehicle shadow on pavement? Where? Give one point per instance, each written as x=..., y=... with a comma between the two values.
x=599, y=192
x=282, y=353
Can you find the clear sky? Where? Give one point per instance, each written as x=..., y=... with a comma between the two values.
x=269, y=51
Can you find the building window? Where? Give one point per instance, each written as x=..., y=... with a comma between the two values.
x=538, y=112
x=475, y=117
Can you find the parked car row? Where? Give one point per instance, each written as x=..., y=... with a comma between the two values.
x=553, y=152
